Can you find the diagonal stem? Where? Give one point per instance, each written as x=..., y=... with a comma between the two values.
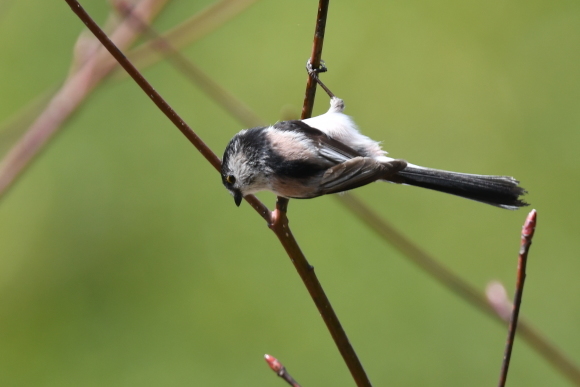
x=277, y=220
x=306, y=271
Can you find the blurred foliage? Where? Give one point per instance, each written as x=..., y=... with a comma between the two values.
x=123, y=260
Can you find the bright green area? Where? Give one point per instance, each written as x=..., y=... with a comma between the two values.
x=124, y=262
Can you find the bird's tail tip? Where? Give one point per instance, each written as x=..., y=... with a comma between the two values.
x=499, y=191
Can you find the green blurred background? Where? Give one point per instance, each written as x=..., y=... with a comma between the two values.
x=124, y=262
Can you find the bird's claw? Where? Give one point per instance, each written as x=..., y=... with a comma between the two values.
x=315, y=71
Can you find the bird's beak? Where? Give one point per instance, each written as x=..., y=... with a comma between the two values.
x=238, y=197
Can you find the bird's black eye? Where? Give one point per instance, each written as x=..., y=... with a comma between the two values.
x=231, y=179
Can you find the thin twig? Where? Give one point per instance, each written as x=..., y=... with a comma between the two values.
x=306, y=272
x=314, y=61
x=280, y=370
x=280, y=226
x=276, y=220
x=498, y=299
x=315, y=58
x=526, y=242
x=91, y=72
x=457, y=285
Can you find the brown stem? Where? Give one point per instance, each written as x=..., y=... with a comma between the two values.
x=280, y=226
x=277, y=220
x=526, y=242
x=315, y=58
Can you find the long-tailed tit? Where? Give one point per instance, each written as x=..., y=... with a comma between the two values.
x=303, y=159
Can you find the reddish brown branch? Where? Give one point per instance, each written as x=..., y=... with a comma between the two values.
x=279, y=225
x=315, y=58
x=280, y=370
x=527, y=235
x=277, y=220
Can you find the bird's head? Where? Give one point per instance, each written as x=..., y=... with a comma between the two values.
x=243, y=170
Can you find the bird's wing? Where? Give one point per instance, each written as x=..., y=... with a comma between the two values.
x=327, y=147
x=357, y=172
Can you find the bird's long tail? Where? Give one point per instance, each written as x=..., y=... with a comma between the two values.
x=499, y=191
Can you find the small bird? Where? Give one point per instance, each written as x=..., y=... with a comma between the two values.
x=303, y=159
